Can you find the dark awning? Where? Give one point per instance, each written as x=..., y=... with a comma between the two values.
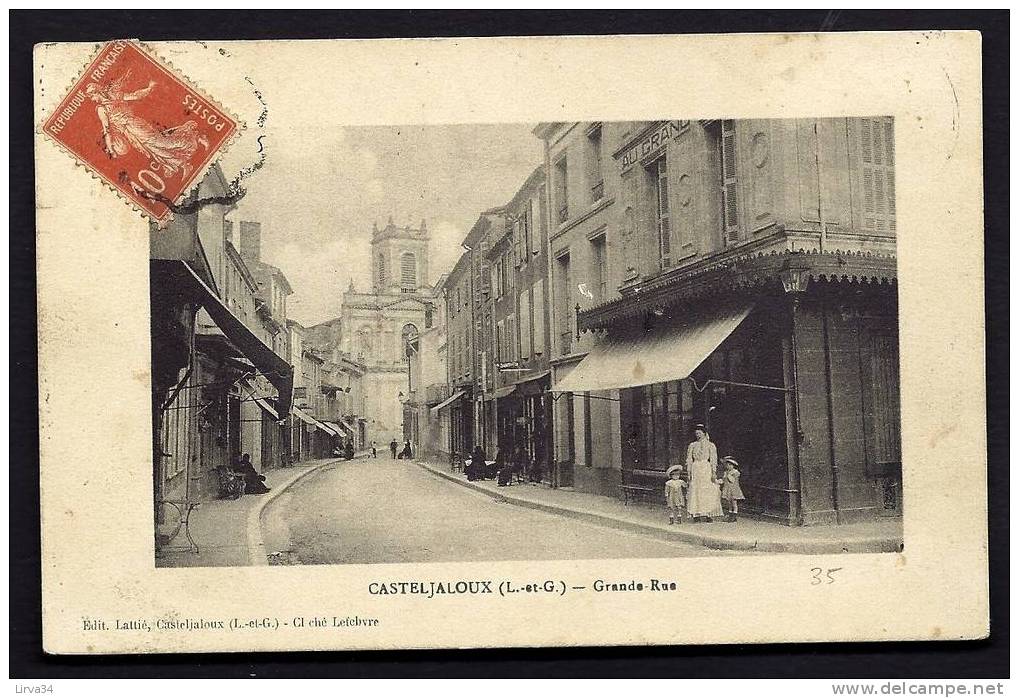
x=269, y=363
x=500, y=393
x=260, y=400
x=535, y=385
x=448, y=401
x=660, y=355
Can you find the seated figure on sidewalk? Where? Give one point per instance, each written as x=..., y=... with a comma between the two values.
x=254, y=482
x=476, y=470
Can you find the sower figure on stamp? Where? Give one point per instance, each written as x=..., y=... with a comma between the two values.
x=703, y=500
x=171, y=147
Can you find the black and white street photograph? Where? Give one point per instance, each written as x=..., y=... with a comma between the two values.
x=668, y=342
x=544, y=341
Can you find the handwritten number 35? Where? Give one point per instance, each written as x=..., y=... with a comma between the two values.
x=821, y=576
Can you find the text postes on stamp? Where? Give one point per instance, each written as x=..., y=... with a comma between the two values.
x=141, y=127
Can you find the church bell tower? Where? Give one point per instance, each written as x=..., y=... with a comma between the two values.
x=399, y=259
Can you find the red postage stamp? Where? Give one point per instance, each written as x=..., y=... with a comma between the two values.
x=141, y=127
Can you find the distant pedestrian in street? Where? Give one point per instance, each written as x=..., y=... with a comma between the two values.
x=703, y=498
x=406, y=452
x=732, y=493
x=375, y=453
x=254, y=482
x=392, y=447
x=675, y=498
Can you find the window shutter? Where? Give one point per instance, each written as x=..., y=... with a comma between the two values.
x=877, y=153
x=730, y=195
x=511, y=333
x=881, y=403
x=532, y=218
x=539, y=317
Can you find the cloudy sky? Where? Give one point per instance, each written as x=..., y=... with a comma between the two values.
x=317, y=212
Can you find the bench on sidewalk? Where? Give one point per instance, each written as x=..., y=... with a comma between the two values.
x=637, y=493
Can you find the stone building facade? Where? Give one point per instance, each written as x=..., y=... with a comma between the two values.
x=758, y=297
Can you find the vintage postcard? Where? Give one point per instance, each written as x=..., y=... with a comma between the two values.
x=510, y=342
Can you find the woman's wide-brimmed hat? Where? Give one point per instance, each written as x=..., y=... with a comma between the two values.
x=730, y=459
x=672, y=469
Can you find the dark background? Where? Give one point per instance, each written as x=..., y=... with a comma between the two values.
x=987, y=658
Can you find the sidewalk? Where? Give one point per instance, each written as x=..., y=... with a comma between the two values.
x=880, y=536
x=228, y=531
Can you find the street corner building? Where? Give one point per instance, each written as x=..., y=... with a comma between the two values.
x=739, y=274
x=651, y=276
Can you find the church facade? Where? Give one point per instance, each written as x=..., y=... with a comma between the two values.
x=375, y=325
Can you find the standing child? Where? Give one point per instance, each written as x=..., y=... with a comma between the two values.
x=731, y=491
x=675, y=498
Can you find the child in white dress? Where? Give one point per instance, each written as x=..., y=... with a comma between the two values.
x=732, y=493
x=675, y=498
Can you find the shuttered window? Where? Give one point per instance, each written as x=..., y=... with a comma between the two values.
x=526, y=344
x=882, y=407
x=730, y=189
x=539, y=317
x=664, y=231
x=408, y=271
x=534, y=225
x=877, y=155
x=511, y=342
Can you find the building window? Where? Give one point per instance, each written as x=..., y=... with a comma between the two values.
x=877, y=151
x=561, y=189
x=599, y=271
x=730, y=190
x=564, y=310
x=662, y=432
x=382, y=270
x=527, y=227
x=408, y=272
x=526, y=346
x=659, y=171
x=594, y=164
x=881, y=406
x=539, y=317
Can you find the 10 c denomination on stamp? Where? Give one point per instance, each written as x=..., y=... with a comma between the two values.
x=141, y=127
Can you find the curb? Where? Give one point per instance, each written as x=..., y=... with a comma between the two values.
x=868, y=545
x=257, y=554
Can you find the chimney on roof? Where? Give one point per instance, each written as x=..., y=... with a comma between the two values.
x=251, y=241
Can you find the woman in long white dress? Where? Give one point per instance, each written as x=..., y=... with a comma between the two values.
x=703, y=496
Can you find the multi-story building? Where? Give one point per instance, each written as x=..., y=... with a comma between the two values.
x=210, y=354
x=425, y=427
x=588, y=262
x=466, y=294
x=456, y=408
x=518, y=397
x=758, y=298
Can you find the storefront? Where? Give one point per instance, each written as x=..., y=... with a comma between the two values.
x=792, y=368
x=456, y=411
